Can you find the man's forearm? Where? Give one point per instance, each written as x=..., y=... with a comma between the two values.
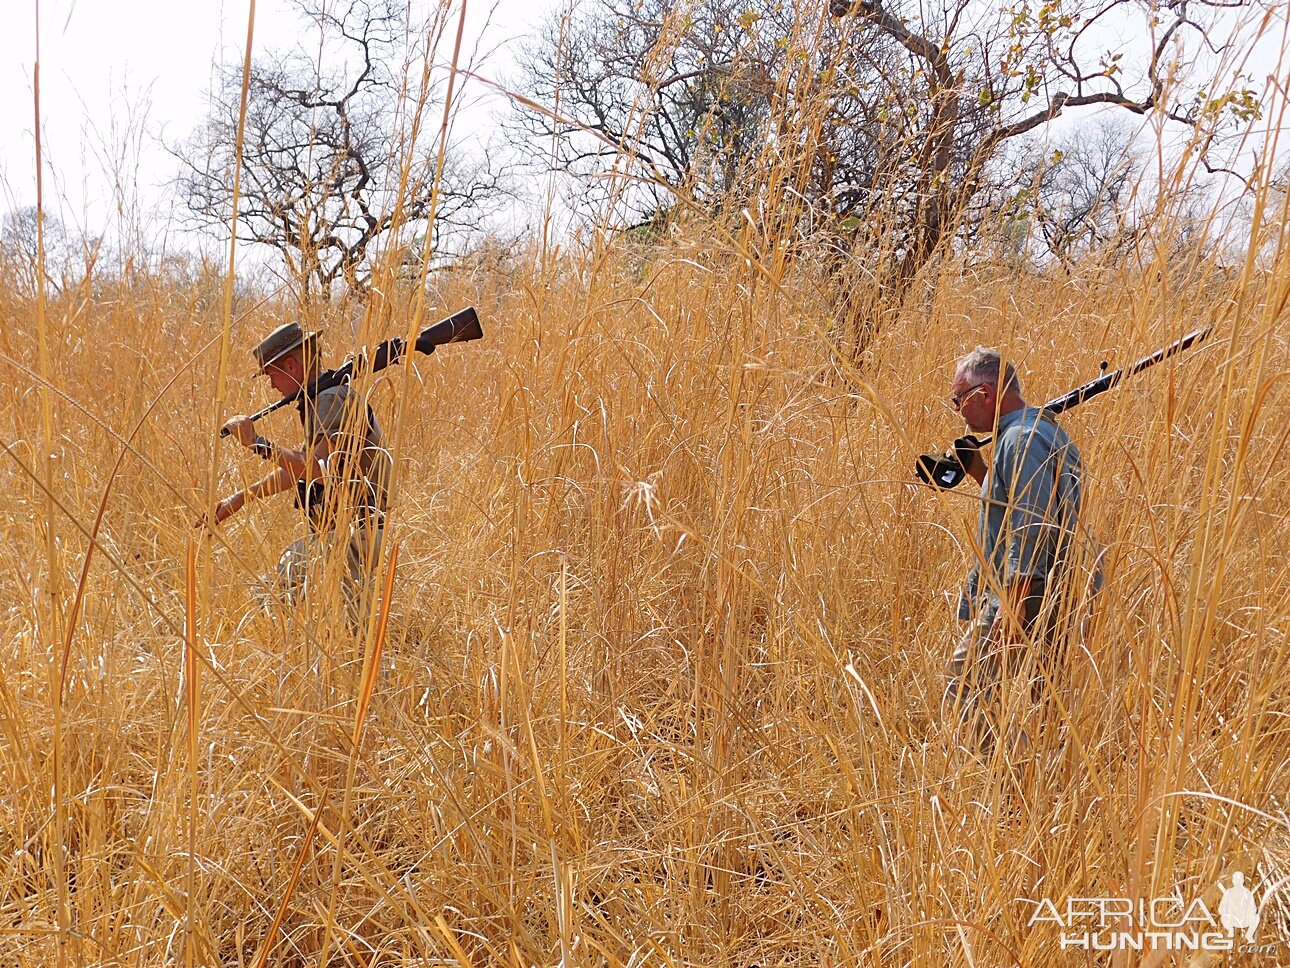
x=275, y=482
x=297, y=463
x=290, y=462
x=291, y=465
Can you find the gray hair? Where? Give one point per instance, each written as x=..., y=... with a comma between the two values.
x=983, y=364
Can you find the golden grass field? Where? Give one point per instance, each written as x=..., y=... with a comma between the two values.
x=655, y=678
x=662, y=668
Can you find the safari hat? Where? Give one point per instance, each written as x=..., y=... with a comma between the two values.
x=280, y=342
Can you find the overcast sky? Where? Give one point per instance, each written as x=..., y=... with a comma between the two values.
x=147, y=65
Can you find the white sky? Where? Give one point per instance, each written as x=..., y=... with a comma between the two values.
x=111, y=66
x=104, y=63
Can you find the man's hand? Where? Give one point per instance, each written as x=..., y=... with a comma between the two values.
x=224, y=510
x=242, y=428
x=967, y=450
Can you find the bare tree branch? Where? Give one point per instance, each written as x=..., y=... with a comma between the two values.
x=317, y=161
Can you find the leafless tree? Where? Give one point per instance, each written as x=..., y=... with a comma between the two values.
x=68, y=259
x=990, y=74
x=689, y=97
x=1065, y=199
x=878, y=126
x=326, y=171
x=1083, y=192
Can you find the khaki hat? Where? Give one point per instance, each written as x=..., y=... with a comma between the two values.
x=280, y=342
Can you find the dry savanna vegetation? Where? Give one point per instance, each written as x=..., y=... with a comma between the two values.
x=653, y=670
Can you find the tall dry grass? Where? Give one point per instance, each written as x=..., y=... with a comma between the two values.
x=656, y=676
x=662, y=670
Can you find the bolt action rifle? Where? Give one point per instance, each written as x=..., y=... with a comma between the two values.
x=947, y=470
x=460, y=327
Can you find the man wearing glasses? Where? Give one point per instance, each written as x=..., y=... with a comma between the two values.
x=1030, y=505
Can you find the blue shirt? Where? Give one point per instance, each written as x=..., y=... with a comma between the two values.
x=1030, y=504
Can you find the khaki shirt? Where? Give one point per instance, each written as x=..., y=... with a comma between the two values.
x=360, y=467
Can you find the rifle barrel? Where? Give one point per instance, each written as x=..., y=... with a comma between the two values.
x=1103, y=383
x=1074, y=398
x=460, y=327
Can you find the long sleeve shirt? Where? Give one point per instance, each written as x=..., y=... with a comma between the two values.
x=1030, y=505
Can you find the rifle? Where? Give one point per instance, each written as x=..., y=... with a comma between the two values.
x=460, y=327
x=944, y=471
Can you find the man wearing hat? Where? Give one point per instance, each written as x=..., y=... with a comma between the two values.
x=340, y=474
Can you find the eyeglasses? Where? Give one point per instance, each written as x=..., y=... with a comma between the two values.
x=958, y=399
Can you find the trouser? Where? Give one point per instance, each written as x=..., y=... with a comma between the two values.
x=980, y=665
x=299, y=567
